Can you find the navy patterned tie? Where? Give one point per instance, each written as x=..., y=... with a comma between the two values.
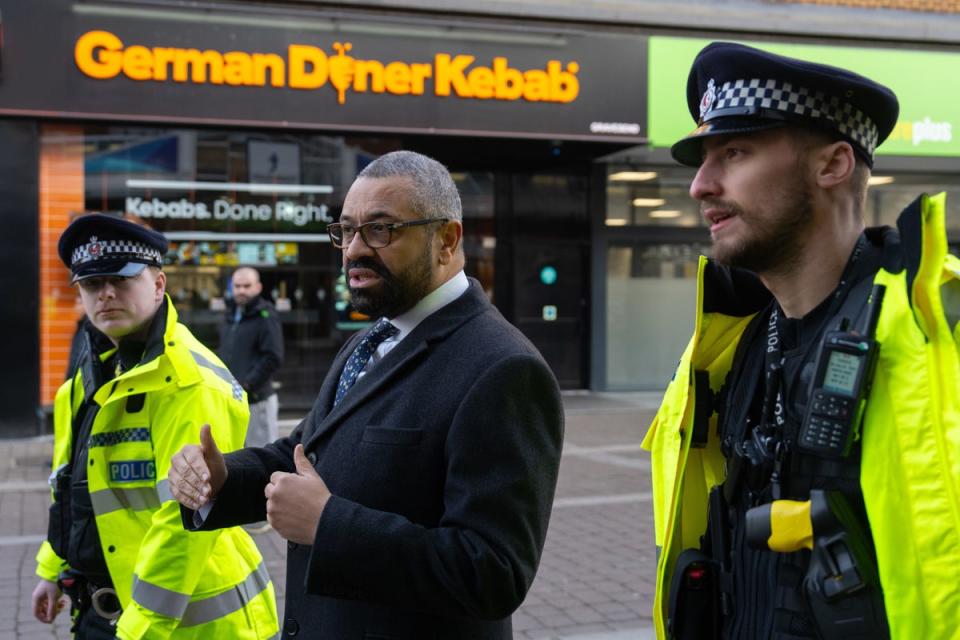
x=358, y=359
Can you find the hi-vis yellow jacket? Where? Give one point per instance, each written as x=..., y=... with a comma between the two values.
x=172, y=583
x=910, y=470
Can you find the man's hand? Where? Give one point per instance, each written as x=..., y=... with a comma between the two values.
x=295, y=501
x=197, y=473
x=47, y=601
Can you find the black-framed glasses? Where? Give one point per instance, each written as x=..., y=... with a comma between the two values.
x=375, y=235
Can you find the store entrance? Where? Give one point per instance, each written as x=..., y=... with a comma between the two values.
x=549, y=284
x=544, y=266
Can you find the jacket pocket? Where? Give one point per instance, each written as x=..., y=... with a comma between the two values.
x=390, y=436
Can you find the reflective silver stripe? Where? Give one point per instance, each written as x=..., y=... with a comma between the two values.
x=220, y=371
x=138, y=499
x=163, y=491
x=163, y=601
x=209, y=609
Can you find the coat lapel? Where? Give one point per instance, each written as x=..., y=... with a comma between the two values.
x=324, y=403
x=411, y=350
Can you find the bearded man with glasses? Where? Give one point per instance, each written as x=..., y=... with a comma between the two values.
x=415, y=495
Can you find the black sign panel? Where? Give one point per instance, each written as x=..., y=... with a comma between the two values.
x=236, y=65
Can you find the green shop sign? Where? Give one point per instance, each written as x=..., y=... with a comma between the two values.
x=929, y=123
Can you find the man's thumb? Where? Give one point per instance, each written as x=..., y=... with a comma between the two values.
x=304, y=466
x=207, y=444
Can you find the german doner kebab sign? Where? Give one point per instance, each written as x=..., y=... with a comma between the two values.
x=564, y=85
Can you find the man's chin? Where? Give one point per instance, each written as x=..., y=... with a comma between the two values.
x=749, y=258
x=115, y=331
x=367, y=302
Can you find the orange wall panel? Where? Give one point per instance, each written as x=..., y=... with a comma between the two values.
x=61, y=194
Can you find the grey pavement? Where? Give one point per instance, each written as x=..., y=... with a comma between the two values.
x=596, y=577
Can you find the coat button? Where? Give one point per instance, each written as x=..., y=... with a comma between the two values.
x=312, y=457
x=290, y=627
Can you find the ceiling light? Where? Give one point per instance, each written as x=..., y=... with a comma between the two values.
x=875, y=180
x=616, y=222
x=250, y=187
x=664, y=213
x=633, y=176
x=648, y=202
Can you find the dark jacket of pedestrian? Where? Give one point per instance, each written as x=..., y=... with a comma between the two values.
x=252, y=347
x=442, y=462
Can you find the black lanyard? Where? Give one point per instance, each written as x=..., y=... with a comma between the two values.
x=768, y=435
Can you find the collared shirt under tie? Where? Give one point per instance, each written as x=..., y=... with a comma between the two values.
x=358, y=359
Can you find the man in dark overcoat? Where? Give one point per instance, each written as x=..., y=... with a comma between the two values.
x=416, y=493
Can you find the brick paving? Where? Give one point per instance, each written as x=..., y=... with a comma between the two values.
x=595, y=580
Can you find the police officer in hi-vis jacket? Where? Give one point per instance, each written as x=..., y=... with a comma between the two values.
x=806, y=457
x=115, y=543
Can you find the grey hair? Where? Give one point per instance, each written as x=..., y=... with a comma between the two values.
x=434, y=192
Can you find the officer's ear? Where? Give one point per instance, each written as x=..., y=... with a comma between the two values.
x=834, y=164
x=159, y=283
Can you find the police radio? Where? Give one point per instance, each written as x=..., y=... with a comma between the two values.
x=844, y=374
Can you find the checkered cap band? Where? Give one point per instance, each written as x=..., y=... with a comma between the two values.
x=112, y=438
x=115, y=250
x=796, y=101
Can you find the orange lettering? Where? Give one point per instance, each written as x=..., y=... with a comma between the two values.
x=99, y=54
x=196, y=63
x=508, y=83
x=536, y=86
x=138, y=63
x=420, y=72
x=450, y=74
x=238, y=68
x=162, y=57
x=564, y=86
x=264, y=61
x=372, y=69
x=397, y=78
x=481, y=81
x=302, y=77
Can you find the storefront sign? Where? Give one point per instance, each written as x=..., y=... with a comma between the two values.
x=220, y=209
x=103, y=56
x=204, y=64
x=929, y=122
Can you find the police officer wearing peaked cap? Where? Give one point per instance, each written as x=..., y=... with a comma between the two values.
x=115, y=544
x=783, y=150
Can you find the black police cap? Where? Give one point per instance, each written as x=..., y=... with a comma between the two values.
x=97, y=245
x=733, y=88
